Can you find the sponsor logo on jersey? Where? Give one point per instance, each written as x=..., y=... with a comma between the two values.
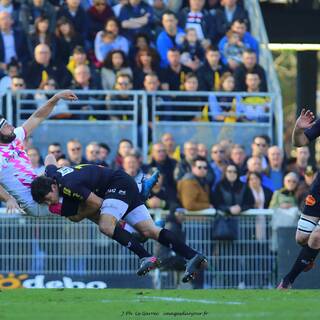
x=310, y=200
x=112, y=190
x=122, y=192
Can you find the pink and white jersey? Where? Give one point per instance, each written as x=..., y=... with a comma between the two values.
x=16, y=173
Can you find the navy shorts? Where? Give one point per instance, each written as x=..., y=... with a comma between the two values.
x=312, y=201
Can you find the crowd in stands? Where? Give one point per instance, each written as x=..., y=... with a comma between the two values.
x=150, y=45
x=195, y=178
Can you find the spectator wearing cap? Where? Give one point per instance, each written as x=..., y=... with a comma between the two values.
x=98, y=13
x=193, y=188
x=239, y=27
x=249, y=64
x=285, y=197
x=229, y=12
x=135, y=17
x=13, y=43
x=109, y=39
x=170, y=37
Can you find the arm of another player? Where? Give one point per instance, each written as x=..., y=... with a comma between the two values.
x=305, y=129
x=42, y=113
x=11, y=203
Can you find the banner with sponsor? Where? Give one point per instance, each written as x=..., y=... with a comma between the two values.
x=56, y=281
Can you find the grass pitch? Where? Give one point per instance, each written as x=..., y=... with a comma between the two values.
x=132, y=304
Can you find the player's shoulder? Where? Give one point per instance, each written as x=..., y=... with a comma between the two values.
x=20, y=133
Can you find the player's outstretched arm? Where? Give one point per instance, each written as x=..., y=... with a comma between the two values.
x=305, y=121
x=43, y=112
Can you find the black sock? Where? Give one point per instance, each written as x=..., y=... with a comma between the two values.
x=305, y=256
x=126, y=239
x=168, y=239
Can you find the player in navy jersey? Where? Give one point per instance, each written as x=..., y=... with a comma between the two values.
x=116, y=195
x=308, y=231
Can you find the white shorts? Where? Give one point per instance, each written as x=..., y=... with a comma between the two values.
x=118, y=208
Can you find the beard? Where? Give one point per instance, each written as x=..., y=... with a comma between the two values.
x=7, y=138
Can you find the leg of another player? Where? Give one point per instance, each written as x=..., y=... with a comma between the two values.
x=306, y=225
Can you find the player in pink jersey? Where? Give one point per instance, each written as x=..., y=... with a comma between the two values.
x=16, y=173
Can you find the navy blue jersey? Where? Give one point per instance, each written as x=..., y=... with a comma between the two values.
x=76, y=183
x=313, y=132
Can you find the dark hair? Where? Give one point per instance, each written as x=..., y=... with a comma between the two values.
x=104, y=146
x=212, y=48
x=149, y=52
x=40, y=187
x=250, y=51
x=107, y=63
x=174, y=49
x=63, y=156
x=141, y=35
x=257, y=174
x=78, y=49
x=198, y=158
x=265, y=137
x=170, y=13
x=60, y=22
x=190, y=75
x=239, y=20
x=56, y=144
x=114, y=19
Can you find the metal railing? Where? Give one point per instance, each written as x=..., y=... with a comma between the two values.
x=109, y=116
x=259, y=31
x=57, y=246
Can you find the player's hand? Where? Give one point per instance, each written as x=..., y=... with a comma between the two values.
x=306, y=119
x=66, y=95
x=12, y=205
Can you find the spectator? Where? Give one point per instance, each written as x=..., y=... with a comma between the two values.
x=92, y=153
x=123, y=83
x=13, y=8
x=218, y=163
x=109, y=40
x=192, y=53
x=115, y=63
x=173, y=150
x=226, y=144
x=13, y=43
x=36, y=163
x=171, y=37
x=238, y=158
x=135, y=17
x=67, y=39
x=63, y=162
x=259, y=148
x=254, y=165
x=55, y=149
x=12, y=70
x=131, y=166
x=198, y=18
x=224, y=108
x=73, y=11
x=104, y=151
x=303, y=188
x=124, y=148
x=301, y=163
x=275, y=169
x=98, y=13
x=74, y=151
x=239, y=26
x=166, y=166
x=41, y=68
x=141, y=41
x=193, y=188
x=231, y=195
x=230, y=12
x=202, y=150
x=262, y=195
x=210, y=73
x=185, y=164
x=61, y=110
x=146, y=62
x=233, y=49
x=249, y=64
x=174, y=75
x=32, y=9
x=117, y=8
x=42, y=34
x=285, y=197
x=159, y=8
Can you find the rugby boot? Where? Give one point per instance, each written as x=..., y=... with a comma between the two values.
x=147, y=264
x=284, y=285
x=194, y=265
